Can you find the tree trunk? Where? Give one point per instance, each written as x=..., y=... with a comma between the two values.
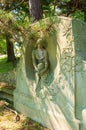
x=10, y=50
x=85, y=16
x=35, y=10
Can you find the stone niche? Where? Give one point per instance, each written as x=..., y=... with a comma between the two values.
x=61, y=99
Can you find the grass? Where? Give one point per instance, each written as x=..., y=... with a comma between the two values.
x=5, y=66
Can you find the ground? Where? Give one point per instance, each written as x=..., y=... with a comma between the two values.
x=8, y=120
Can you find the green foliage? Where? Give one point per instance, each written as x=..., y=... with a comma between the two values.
x=7, y=22
x=4, y=65
x=78, y=14
x=42, y=29
x=2, y=46
x=6, y=15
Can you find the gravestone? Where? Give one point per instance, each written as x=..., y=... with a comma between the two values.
x=60, y=101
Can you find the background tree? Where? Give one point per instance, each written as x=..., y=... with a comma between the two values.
x=23, y=10
x=10, y=16
x=10, y=49
x=35, y=9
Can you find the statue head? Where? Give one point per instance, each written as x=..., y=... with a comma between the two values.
x=40, y=44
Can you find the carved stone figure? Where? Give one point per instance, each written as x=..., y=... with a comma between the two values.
x=40, y=63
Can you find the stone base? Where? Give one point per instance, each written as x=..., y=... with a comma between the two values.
x=43, y=111
x=6, y=92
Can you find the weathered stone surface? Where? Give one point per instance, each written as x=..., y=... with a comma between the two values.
x=59, y=99
x=6, y=92
x=79, y=33
x=8, y=78
x=7, y=84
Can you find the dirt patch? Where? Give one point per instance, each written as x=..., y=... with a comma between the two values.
x=8, y=120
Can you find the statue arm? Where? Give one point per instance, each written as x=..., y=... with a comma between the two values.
x=34, y=60
x=46, y=64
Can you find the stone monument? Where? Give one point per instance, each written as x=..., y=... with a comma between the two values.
x=59, y=101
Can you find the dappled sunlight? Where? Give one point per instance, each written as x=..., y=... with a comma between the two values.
x=54, y=100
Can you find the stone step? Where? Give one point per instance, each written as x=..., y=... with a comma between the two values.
x=6, y=92
x=6, y=96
